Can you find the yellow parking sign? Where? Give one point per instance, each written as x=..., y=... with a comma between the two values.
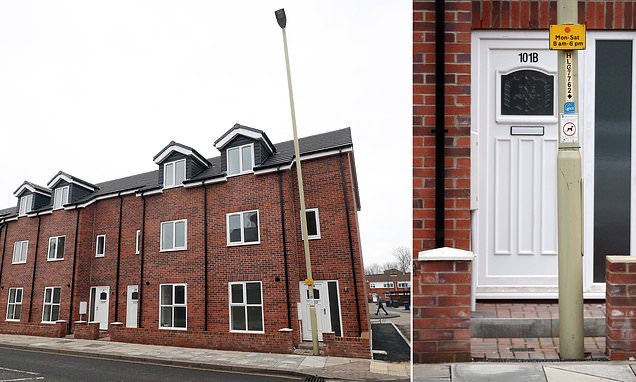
x=567, y=36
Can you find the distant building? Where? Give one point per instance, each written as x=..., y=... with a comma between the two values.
x=391, y=285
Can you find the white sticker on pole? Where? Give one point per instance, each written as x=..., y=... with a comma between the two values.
x=569, y=128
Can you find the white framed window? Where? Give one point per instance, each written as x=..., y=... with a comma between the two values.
x=20, y=249
x=240, y=159
x=373, y=285
x=173, y=312
x=137, y=241
x=313, y=223
x=246, y=307
x=26, y=203
x=60, y=198
x=174, y=235
x=404, y=284
x=174, y=173
x=14, y=306
x=100, y=246
x=243, y=228
x=51, y=308
x=56, y=248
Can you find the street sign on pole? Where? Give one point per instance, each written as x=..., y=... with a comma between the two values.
x=567, y=36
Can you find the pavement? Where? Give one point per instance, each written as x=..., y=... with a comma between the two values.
x=531, y=348
x=393, y=346
x=526, y=372
x=330, y=368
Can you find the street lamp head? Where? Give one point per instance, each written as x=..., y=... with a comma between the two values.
x=281, y=18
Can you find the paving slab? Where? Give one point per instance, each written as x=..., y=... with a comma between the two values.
x=431, y=373
x=608, y=370
x=497, y=372
x=554, y=374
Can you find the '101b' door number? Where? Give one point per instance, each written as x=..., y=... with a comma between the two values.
x=528, y=57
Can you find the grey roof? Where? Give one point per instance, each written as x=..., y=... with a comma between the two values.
x=239, y=126
x=150, y=180
x=173, y=143
x=37, y=187
x=75, y=179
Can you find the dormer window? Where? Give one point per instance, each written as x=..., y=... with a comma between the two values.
x=240, y=160
x=174, y=173
x=26, y=203
x=61, y=197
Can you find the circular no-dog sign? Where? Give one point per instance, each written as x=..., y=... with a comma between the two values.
x=569, y=129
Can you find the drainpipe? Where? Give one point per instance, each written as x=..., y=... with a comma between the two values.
x=440, y=130
x=70, y=310
x=282, y=219
x=141, y=273
x=4, y=226
x=35, y=263
x=353, y=264
x=121, y=204
x=205, y=251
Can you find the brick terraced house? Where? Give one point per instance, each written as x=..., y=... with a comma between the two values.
x=199, y=252
x=391, y=284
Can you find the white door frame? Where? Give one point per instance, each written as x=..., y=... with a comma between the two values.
x=93, y=304
x=586, y=118
x=325, y=298
x=586, y=93
x=131, y=320
x=479, y=118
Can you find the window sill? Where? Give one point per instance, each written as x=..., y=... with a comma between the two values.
x=96, y=255
x=175, y=186
x=19, y=262
x=12, y=320
x=171, y=328
x=247, y=331
x=240, y=173
x=55, y=259
x=174, y=249
x=241, y=244
x=49, y=322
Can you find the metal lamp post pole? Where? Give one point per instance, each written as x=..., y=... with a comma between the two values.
x=569, y=198
x=282, y=22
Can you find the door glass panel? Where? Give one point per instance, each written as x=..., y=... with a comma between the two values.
x=612, y=152
x=527, y=92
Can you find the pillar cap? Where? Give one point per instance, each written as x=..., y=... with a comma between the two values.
x=445, y=253
x=621, y=259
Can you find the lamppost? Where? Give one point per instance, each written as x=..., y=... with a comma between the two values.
x=282, y=22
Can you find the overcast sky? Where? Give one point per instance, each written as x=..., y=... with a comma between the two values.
x=96, y=89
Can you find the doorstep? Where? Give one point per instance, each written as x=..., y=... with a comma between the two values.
x=531, y=320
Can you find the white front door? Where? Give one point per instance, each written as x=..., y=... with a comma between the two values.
x=132, y=301
x=100, y=296
x=515, y=118
x=323, y=313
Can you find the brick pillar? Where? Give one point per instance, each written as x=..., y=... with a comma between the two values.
x=441, y=306
x=620, y=297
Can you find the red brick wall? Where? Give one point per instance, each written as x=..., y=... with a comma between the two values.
x=441, y=311
x=57, y=330
x=463, y=16
x=353, y=347
x=331, y=255
x=621, y=304
x=274, y=342
x=86, y=330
